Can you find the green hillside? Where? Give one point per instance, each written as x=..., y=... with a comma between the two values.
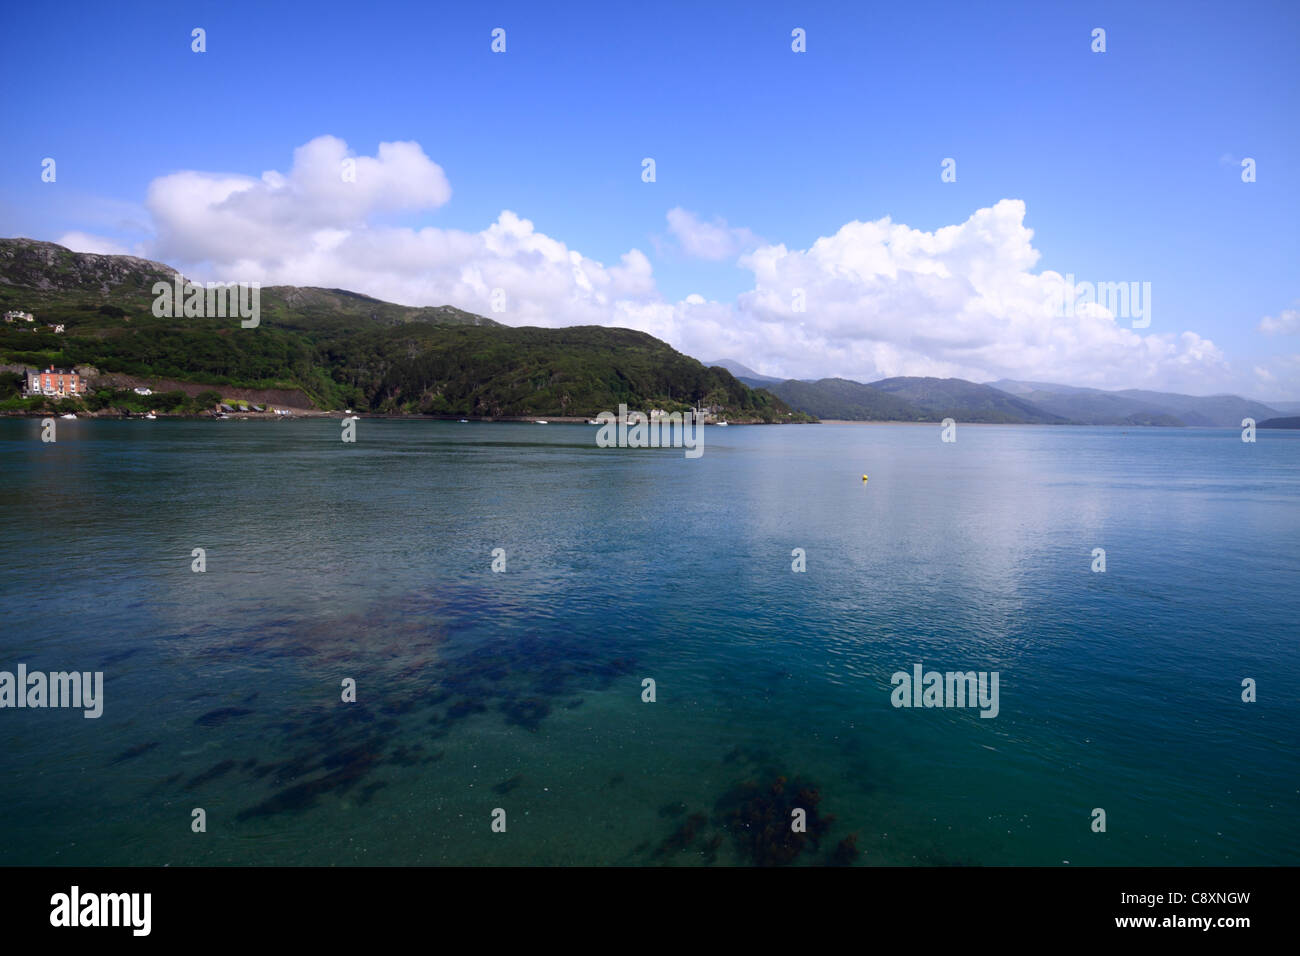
x=343, y=349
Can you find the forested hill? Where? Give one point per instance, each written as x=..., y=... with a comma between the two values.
x=343, y=349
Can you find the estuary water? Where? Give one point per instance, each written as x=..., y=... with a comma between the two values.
x=523, y=690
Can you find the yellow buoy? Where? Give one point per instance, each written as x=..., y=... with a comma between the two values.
x=864, y=477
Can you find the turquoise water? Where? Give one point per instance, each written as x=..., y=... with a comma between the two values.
x=522, y=690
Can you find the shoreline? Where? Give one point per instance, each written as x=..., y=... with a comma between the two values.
x=566, y=420
x=317, y=413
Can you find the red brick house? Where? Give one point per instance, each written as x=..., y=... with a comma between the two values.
x=55, y=382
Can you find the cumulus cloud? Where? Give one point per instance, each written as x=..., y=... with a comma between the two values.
x=880, y=299
x=872, y=299
x=708, y=240
x=320, y=223
x=227, y=219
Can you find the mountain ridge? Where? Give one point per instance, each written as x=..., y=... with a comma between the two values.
x=1027, y=402
x=339, y=348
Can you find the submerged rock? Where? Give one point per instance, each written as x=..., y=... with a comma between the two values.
x=759, y=819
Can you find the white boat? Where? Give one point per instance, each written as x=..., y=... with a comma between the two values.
x=464, y=421
x=151, y=416
x=68, y=415
x=592, y=421
x=720, y=423
x=541, y=422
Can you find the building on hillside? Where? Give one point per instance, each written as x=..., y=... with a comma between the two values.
x=55, y=383
x=142, y=391
x=58, y=329
x=19, y=317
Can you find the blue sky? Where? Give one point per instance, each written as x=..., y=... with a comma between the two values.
x=1127, y=162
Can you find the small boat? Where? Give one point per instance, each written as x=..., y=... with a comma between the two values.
x=68, y=415
x=592, y=421
x=541, y=422
x=720, y=423
x=464, y=421
x=151, y=416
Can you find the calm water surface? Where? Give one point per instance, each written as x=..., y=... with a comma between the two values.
x=522, y=690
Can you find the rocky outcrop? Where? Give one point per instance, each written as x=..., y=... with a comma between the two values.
x=44, y=266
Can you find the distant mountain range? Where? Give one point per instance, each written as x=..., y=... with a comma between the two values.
x=1008, y=401
x=1290, y=408
x=1092, y=406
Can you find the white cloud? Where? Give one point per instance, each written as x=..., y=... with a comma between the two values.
x=225, y=218
x=884, y=299
x=1286, y=323
x=708, y=240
